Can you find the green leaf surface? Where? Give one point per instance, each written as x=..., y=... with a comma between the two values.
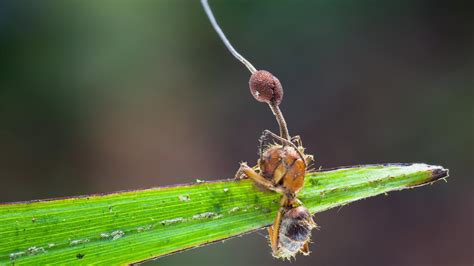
x=133, y=226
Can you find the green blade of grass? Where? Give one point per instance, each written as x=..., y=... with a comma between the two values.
x=134, y=226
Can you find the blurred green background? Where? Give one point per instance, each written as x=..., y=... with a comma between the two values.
x=99, y=96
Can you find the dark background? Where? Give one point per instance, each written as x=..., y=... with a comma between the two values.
x=99, y=96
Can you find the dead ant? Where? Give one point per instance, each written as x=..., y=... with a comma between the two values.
x=281, y=167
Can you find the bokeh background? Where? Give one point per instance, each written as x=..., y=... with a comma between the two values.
x=99, y=96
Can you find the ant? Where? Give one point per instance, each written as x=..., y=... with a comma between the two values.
x=281, y=167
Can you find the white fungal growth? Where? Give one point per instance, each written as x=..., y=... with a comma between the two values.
x=51, y=245
x=16, y=255
x=117, y=234
x=30, y=251
x=235, y=209
x=184, y=198
x=200, y=181
x=78, y=241
x=35, y=250
x=206, y=215
x=144, y=228
x=226, y=190
x=114, y=235
x=173, y=221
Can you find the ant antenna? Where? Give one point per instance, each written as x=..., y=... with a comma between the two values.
x=263, y=85
x=224, y=39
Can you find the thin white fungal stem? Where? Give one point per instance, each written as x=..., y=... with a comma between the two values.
x=224, y=39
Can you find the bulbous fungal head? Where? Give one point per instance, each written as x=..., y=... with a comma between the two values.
x=265, y=87
x=295, y=232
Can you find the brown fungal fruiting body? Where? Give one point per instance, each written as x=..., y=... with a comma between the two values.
x=265, y=87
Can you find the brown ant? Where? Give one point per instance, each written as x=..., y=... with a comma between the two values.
x=282, y=166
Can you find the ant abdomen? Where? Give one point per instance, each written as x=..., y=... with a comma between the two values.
x=295, y=231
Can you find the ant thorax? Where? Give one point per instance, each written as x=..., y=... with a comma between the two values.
x=284, y=166
x=295, y=232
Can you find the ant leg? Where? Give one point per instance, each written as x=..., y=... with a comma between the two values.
x=279, y=173
x=261, y=146
x=297, y=140
x=257, y=178
x=305, y=249
x=289, y=200
x=273, y=232
x=239, y=174
x=267, y=132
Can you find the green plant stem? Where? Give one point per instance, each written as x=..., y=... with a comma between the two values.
x=133, y=226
